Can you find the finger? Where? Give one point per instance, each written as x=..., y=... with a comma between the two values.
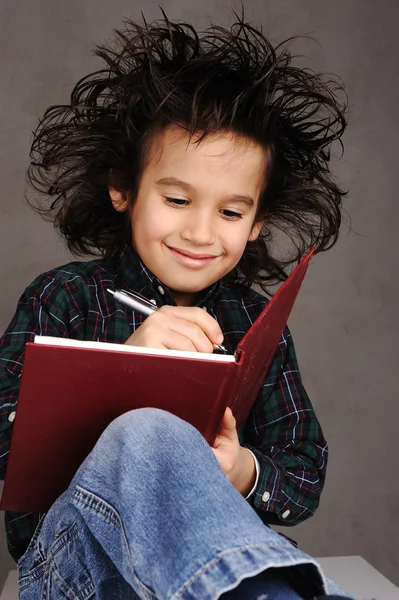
x=200, y=317
x=174, y=341
x=193, y=332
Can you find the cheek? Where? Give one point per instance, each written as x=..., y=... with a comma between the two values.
x=236, y=241
x=148, y=225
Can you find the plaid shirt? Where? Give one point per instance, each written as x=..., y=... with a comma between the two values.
x=282, y=430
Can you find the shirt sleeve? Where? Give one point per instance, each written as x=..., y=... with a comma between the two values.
x=285, y=436
x=257, y=473
x=41, y=311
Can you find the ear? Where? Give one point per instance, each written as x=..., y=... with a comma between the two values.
x=255, y=231
x=118, y=199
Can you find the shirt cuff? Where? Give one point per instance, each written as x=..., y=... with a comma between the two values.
x=257, y=467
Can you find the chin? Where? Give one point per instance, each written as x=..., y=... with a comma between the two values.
x=188, y=290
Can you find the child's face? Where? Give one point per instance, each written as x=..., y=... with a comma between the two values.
x=195, y=208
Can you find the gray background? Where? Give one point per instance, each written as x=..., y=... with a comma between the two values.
x=346, y=319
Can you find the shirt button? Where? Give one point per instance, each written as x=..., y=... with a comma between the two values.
x=11, y=416
x=266, y=497
x=161, y=290
x=285, y=514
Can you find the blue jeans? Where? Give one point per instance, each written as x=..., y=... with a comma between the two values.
x=150, y=514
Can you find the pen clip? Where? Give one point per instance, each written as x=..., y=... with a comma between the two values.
x=142, y=299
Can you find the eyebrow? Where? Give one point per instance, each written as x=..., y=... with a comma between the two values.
x=187, y=187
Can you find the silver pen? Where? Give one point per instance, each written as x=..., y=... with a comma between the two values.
x=145, y=307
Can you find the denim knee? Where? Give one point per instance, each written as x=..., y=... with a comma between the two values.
x=150, y=423
x=149, y=432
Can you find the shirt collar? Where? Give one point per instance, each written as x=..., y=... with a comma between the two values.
x=134, y=276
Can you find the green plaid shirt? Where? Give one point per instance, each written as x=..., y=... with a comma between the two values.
x=282, y=430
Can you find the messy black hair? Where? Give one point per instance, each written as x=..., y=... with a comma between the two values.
x=164, y=73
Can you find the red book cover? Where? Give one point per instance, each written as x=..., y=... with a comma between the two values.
x=72, y=390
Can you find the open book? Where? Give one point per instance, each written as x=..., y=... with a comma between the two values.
x=71, y=390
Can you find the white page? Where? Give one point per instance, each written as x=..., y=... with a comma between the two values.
x=69, y=343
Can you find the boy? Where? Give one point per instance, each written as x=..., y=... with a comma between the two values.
x=174, y=163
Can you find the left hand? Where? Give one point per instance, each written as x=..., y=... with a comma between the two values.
x=236, y=462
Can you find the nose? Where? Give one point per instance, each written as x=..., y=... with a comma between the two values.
x=199, y=229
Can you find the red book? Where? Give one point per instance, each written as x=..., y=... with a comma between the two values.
x=71, y=390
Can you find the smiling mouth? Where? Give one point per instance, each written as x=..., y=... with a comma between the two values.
x=190, y=259
x=193, y=255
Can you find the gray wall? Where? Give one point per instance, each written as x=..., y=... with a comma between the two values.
x=346, y=320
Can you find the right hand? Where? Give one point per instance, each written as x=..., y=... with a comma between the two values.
x=178, y=328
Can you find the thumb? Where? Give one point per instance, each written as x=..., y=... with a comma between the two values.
x=228, y=423
x=227, y=429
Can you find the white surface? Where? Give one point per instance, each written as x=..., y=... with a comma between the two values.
x=356, y=576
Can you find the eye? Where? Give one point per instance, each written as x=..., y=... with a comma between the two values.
x=176, y=201
x=231, y=214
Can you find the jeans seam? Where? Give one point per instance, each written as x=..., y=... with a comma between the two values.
x=32, y=576
x=88, y=588
x=62, y=541
x=41, y=569
x=75, y=595
x=105, y=509
x=32, y=544
x=214, y=562
x=106, y=512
